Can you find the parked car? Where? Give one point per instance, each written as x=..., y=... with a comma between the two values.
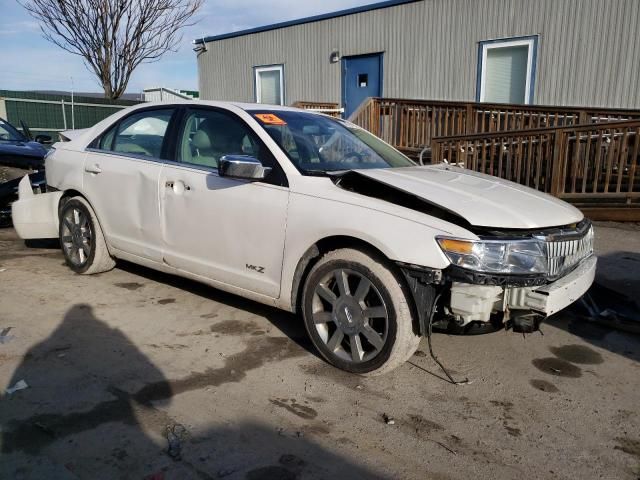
x=17, y=150
x=313, y=215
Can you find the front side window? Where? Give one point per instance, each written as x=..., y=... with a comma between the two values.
x=139, y=134
x=208, y=135
x=507, y=70
x=317, y=144
x=270, y=85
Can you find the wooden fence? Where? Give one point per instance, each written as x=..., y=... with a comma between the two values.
x=327, y=108
x=410, y=125
x=595, y=166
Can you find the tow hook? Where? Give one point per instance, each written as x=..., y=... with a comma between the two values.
x=526, y=323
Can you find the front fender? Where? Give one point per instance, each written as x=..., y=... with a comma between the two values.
x=312, y=219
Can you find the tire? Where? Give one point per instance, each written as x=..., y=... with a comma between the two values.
x=81, y=239
x=337, y=308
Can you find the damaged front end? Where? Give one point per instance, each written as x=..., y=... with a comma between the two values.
x=512, y=275
x=505, y=278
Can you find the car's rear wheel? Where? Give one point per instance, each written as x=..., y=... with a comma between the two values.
x=357, y=314
x=81, y=238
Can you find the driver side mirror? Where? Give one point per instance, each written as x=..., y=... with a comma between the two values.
x=243, y=167
x=44, y=139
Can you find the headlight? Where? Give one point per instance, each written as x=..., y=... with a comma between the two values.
x=496, y=256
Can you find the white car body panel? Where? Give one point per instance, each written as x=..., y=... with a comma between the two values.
x=37, y=214
x=218, y=227
x=558, y=295
x=68, y=135
x=66, y=173
x=483, y=200
x=124, y=196
x=249, y=238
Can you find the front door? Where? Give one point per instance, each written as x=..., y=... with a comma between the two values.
x=361, y=78
x=230, y=231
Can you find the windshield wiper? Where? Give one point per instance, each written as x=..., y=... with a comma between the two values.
x=315, y=173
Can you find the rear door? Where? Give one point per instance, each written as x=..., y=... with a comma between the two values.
x=228, y=230
x=361, y=79
x=121, y=173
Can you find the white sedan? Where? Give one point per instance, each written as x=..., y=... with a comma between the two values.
x=313, y=215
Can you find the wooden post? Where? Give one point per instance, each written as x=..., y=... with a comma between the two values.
x=558, y=161
x=470, y=123
x=435, y=152
x=583, y=118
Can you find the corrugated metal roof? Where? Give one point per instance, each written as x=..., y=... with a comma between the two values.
x=302, y=21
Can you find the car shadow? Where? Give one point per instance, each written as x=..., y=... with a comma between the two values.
x=288, y=323
x=616, y=293
x=96, y=407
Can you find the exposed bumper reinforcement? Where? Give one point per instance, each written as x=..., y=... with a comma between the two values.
x=555, y=296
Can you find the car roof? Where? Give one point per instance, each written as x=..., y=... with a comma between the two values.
x=242, y=105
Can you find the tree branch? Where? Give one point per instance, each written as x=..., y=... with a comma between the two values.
x=113, y=36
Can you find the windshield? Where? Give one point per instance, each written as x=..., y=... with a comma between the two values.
x=317, y=144
x=9, y=134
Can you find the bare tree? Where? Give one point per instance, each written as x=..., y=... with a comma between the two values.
x=113, y=36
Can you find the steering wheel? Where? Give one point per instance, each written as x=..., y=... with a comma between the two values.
x=353, y=157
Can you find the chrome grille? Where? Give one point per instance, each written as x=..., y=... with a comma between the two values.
x=565, y=254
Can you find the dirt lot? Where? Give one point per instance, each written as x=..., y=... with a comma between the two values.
x=114, y=360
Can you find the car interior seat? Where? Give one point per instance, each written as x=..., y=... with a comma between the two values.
x=215, y=139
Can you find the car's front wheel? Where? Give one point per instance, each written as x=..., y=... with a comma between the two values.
x=357, y=313
x=81, y=238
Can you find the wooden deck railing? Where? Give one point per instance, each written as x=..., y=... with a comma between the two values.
x=590, y=165
x=328, y=108
x=410, y=125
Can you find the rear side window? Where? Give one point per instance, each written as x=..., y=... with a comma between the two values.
x=140, y=134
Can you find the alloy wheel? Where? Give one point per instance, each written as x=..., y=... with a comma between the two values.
x=76, y=236
x=350, y=315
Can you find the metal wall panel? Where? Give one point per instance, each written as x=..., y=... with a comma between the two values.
x=43, y=112
x=588, y=52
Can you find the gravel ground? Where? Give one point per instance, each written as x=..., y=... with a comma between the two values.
x=116, y=361
x=9, y=173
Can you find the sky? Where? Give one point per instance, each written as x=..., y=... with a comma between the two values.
x=29, y=62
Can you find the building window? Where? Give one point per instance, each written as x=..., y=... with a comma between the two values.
x=506, y=70
x=270, y=84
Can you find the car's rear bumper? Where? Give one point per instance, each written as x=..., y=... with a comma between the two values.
x=35, y=215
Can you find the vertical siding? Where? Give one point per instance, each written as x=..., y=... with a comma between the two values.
x=588, y=53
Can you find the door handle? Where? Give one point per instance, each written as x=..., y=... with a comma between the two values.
x=94, y=169
x=178, y=186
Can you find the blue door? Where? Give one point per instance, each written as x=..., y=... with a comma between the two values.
x=361, y=78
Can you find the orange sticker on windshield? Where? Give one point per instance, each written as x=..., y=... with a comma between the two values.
x=270, y=119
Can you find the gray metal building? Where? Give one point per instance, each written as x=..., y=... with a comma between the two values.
x=547, y=52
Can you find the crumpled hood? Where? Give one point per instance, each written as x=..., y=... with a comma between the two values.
x=482, y=200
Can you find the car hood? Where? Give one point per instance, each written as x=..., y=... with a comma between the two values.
x=482, y=200
x=22, y=149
